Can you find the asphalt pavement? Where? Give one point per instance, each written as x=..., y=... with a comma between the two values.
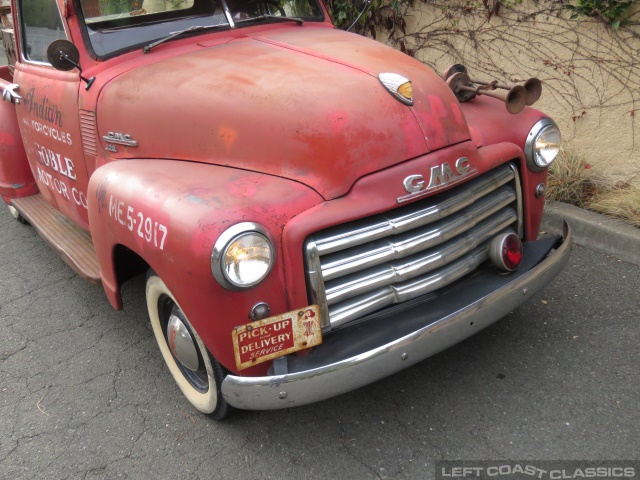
x=84, y=392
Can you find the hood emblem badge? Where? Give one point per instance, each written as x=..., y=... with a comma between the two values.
x=120, y=139
x=398, y=86
x=441, y=176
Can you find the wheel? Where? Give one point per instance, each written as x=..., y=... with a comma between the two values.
x=17, y=215
x=197, y=373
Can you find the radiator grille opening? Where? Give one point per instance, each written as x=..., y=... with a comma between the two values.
x=364, y=266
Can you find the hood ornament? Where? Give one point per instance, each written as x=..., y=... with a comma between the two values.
x=398, y=86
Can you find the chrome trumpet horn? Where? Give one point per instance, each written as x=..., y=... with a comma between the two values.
x=516, y=97
x=533, y=87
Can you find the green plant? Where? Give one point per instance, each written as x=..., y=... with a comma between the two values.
x=175, y=4
x=613, y=12
x=343, y=12
x=111, y=7
x=381, y=13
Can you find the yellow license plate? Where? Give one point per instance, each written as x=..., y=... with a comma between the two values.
x=273, y=337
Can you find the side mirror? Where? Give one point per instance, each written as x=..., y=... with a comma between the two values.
x=64, y=55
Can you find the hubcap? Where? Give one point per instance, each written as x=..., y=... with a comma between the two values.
x=181, y=344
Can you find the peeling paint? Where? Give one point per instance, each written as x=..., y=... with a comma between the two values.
x=195, y=199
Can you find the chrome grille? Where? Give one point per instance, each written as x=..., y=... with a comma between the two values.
x=363, y=266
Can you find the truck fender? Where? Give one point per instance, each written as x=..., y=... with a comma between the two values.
x=490, y=123
x=170, y=214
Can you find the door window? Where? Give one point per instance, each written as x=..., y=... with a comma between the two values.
x=41, y=25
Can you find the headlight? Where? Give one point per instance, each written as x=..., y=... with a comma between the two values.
x=543, y=145
x=242, y=257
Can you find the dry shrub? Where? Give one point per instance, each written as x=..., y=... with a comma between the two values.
x=622, y=203
x=571, y=179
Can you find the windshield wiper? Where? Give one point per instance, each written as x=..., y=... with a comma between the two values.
x=298, y=20
x=147, y=48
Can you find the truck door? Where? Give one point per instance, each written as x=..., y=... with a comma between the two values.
x=48, y=112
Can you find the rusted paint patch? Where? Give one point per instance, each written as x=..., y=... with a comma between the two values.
x=273, y=337
x=228, y=136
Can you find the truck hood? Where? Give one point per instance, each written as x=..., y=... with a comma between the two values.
x=303, y=103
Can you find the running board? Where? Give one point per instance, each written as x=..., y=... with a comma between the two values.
x=73, y=244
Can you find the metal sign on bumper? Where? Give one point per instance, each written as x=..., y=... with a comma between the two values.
x=276, y=336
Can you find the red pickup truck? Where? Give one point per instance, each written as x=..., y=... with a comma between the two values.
x=313, y=210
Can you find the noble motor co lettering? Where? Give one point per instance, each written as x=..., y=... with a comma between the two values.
x=56, y=162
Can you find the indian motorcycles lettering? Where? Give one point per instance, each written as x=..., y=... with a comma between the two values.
x=48, y=112
x=42, y=109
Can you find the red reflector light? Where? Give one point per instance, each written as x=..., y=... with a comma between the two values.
x=505, y=252
x=512, y=252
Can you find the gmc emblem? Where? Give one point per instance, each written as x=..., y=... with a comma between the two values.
x=441, y=176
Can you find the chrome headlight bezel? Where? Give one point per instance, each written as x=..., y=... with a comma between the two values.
x=534, y=161
x=221, y=249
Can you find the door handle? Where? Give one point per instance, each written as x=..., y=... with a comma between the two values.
x=9, y=93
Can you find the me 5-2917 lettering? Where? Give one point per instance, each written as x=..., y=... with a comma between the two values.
x=153, y=232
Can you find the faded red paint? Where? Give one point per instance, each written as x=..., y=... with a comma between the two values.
x=50, y=128
x=278, y=124
x=195, y=202
x=16, y=178
x=228, y=136
x=308, y=107
x=492, y=123
x=373, y=194
x=7, y=139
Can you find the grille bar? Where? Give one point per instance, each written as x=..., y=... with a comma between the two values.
x=360, y=267
x=342, y=263
x=408, y=290
x=405, y=219
x=418, y=264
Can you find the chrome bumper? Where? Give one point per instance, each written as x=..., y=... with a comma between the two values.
x=324, y=381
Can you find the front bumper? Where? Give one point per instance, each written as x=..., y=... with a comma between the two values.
x=398, y=338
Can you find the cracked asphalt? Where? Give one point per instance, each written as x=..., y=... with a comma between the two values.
x=84, y=393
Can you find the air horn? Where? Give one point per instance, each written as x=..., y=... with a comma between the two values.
x=514, y=96
x=533, y=87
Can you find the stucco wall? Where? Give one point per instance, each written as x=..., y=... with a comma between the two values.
x=591, y=74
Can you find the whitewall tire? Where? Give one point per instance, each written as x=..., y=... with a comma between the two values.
x=201, y=383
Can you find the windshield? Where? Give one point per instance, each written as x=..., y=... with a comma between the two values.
x=115, y=26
